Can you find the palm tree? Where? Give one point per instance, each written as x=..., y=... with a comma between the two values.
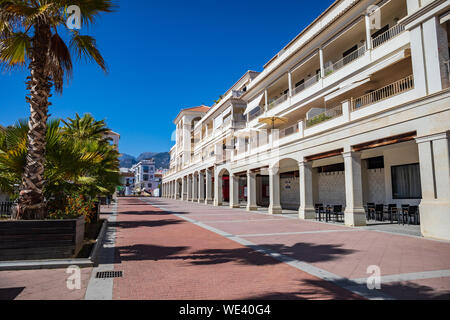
x=30, y=35
x=88, y=167
x=86, y=127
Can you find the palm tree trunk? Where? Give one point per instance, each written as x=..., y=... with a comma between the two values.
x=31, y=200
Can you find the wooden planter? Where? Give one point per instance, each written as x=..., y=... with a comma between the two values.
x=40, y=239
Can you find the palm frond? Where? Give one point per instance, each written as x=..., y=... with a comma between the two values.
x=85, y=47
x=14, y=50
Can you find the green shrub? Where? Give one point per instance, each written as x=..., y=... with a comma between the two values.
x=318, y=119
x=76, y=206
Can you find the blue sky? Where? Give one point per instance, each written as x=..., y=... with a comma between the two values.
x=164, y=56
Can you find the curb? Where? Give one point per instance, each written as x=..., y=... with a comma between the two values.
x=57, y=263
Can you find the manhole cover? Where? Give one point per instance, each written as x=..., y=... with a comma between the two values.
x=109, y=274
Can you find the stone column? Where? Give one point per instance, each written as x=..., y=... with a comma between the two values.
x=217, y=190
x=434, y=157
x=354, y=214
x=201, y=187
x=436, y=54
x=208, y=186
x=195, y=188
x=251, y=191
x=306, y=210
x=234, y=191
x=183, y=188
x=189, y=188
x=368, y=32
x=322, y=64
x=274, y=190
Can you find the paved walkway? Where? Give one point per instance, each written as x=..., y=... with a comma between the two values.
x=170, y=249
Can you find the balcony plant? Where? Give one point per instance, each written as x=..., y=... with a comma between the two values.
x=318, y=119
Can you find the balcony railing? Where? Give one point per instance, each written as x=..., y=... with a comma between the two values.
x=308, y=83
x=386, y=92
x=288, y=131
x=388, y=35
x=277, y=101
x=254, y=115
x=325, y=116
x=346, y=60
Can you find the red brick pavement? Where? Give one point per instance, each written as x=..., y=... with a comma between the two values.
x=41, y=285
x=165, y=257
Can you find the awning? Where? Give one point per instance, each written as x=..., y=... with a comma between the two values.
x=254, y=103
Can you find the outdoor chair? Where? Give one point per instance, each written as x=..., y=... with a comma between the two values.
x=379, y=208
x=403, y=214
x=390, y=211
x=413, y=214
x=319, y=209
x=370, y=211
x=337, y=212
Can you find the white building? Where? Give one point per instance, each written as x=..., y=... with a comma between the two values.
x=364, y=92
x=127, y=181
x=144, y=177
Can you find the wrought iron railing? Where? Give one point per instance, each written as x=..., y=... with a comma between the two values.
x=328, y=114
x=386, y=92
x=388, y=35
x=6, y=208
x=346, y=60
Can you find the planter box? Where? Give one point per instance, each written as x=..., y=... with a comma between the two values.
x=40, y=239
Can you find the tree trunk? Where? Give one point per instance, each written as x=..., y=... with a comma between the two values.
x=31, y=200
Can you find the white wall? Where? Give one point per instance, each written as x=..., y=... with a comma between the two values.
x=331, y=188
x=290, y=193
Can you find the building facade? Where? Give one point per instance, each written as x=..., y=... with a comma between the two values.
x=360, y=103
x=145, y=179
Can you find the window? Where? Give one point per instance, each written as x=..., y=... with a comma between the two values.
x=145, y=168
x=406, y=182
x=375, y=163
x=331, y=168
x=145, y=177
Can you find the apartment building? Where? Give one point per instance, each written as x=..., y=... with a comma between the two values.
x=360, y=109
x=144, y=177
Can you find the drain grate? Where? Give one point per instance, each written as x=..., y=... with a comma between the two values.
x=109, y=274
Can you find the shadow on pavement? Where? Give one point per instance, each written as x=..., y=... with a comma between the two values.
x=412, y=291
x=141, y=252
x=147, y=224
x=10, y=293
x=310, y=289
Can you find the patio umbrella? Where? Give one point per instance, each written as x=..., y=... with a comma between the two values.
x=273, y=121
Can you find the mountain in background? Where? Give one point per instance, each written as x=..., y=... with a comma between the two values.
x=162, y=159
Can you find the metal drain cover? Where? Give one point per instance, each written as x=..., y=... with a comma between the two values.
x=109, y=274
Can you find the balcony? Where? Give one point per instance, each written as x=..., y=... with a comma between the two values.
x=276, y=101
x=325, y=116
x=388, y=35
x=288, y=131
x=306, y=84
x=255, y=113
x=355, y=55
x=384, y=93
